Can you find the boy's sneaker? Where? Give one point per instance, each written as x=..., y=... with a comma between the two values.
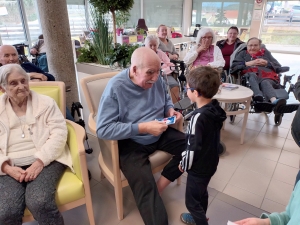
x=187, y=219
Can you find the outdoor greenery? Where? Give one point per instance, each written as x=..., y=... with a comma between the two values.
x=120, y=55
x=112, y=6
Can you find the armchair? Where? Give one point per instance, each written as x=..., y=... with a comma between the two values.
x=93, y=87
x=73, y=189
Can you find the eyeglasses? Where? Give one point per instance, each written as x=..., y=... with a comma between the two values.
x=207, y=38
x=185, y=89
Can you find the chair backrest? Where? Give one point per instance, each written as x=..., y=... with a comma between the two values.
x=53, y=89
x=93, y=87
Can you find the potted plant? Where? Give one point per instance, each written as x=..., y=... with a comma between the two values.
x=120, y=55
x=97, y=48
x=112, y=6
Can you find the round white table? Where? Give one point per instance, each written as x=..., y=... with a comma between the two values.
x=242, y=95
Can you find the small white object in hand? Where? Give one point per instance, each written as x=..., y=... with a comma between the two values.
x=231, y=223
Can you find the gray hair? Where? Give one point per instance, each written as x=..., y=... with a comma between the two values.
x=7, y=69
x=255, y=38
x=202, y=32
x=151, y=37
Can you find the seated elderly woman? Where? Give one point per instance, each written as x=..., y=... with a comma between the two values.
x=152, y=42
x=166, y=44
x=290, y=216
x=33, y=150
x=204, y=53
x=261, y=68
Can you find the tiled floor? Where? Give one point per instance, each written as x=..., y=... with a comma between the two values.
x=251, y=178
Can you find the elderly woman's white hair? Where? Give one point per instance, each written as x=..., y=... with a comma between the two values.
x=151, y=37
x=6, y=70
x=202, y=32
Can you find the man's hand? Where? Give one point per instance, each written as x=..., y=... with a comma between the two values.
x=34, y=170
x=15, y=172
x=37, y=76
x=253, y=221
x=172, y=112
x=153, y=127
x=33, y=51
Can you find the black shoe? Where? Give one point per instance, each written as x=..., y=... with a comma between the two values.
x=280, y=103
x=258, y=98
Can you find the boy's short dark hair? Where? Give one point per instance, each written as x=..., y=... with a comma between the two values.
x=205, y=80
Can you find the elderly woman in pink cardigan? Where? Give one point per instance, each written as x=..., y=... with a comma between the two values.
x=152, y=42
x=33, y=150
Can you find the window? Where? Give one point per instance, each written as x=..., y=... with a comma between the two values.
x=222, y=14
x=77, y=19
x=11, y=28
x=168, y=12
x=33, y=21
x=281, y=23
x=135, y=14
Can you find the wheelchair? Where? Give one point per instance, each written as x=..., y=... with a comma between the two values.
x=266, y=107
x=21, y=52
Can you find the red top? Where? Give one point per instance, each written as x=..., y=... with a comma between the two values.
x=227, y=50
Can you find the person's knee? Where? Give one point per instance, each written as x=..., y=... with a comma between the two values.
x=10, y=213
x=41, y=203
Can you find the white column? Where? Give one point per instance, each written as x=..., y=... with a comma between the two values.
x=257, y=17
x=187, y=16
x=57, y=36
x=142, y=9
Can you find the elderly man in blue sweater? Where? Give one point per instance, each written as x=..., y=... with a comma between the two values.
x=130, y=103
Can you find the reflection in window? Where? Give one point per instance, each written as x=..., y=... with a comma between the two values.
x=168, y=12
x=11, y=29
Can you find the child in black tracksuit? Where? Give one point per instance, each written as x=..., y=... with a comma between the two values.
x=200, y=159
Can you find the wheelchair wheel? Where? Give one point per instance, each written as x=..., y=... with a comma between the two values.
x=278, y=119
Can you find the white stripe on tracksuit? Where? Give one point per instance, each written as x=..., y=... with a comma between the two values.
x=188, y=154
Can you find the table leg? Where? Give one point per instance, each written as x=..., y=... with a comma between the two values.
x=245, y=120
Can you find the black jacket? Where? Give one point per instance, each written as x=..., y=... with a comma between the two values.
x=221, y=43
x=203, y=138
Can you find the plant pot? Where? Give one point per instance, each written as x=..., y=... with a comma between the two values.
x=119, y=30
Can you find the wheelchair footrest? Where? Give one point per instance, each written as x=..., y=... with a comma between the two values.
x=263, y=107
x=288, y=108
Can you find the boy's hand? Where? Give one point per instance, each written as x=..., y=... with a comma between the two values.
x=180, y=168
x=172, y=112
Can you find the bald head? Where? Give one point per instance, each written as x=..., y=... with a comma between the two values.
x=143, y=56
x=8, y=55
x=145, y=66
